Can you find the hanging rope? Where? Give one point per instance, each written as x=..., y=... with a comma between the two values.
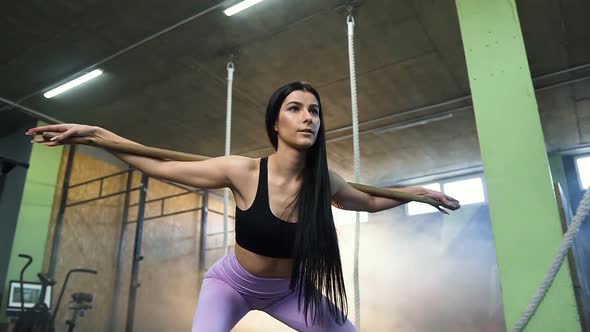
x=230, y=79
x=568, y=239
x=357, y=166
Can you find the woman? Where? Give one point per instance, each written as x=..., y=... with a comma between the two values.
x=286, y=260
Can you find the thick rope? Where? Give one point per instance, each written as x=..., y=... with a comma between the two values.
x=568, y=238
x=357, y=166
x=230, y=79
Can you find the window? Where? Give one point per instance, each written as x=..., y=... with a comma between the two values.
x=467, y=191
x=346, y=217
x=583, y=167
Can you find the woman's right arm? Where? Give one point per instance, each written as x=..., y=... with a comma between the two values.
x=210, y=174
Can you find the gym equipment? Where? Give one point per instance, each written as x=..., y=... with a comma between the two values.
x=39, y=318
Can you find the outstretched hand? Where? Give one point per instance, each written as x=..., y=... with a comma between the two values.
x=66, y=131
x=444, y=200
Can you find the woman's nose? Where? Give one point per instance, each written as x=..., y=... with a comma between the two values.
x=306, y=116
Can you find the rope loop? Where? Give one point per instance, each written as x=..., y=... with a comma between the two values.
x=230, y=70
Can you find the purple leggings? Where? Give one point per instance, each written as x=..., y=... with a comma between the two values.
x=229, y=291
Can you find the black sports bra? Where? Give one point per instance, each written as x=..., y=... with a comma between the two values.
x=258, y=230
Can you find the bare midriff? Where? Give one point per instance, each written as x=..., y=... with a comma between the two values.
x=263, y=266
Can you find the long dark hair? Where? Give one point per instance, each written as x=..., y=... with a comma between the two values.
x=317, y=269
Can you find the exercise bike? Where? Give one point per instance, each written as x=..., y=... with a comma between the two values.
x=39, y=318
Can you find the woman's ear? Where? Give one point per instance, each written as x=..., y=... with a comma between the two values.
x=275, y=126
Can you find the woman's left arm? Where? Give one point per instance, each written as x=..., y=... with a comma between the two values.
x=348, y=198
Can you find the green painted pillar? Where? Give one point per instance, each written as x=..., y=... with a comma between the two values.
x=34, y=215
x=522, y=203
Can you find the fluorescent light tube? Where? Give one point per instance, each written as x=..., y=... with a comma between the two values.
x=73, y=83
x=412, y=123
x=240, y=6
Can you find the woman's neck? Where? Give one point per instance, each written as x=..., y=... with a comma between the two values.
x=288, y=163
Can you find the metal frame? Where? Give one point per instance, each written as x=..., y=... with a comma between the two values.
x=61, y=213
x=141, y=218
x=121, y=252
x=203, y=237
x=137, y=257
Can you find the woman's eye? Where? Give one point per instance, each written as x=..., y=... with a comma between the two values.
x=293, y=108
x=314, y=111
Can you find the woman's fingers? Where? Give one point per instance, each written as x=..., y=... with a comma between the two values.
x=66, y=134
x=51, y=144
x=451, y=205
x=451, y=199
x=444, y=200
x=38, y=140
x=40, y=130
x=66, y=131
x=46, y=143
x=441, y=210
x=449, y=202
x=59, y=134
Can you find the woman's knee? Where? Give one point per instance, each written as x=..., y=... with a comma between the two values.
x=219, y=308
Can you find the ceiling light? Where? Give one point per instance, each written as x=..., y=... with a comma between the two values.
x=73, y=83
x=412, y=123
x=240, y=6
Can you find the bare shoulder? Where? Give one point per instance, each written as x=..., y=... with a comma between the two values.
x=242, y=164
x=241, y=169
x=243, y=174
x=336, y=182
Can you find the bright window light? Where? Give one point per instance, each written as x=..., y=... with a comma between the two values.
x=415, y=208
x=468, y=191
x=346, y=217
x=73, y=83
x=583, y=165
x=240, y=6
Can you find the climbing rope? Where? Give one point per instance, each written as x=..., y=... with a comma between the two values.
x=568, y=239
x=357, y=167
x=230, y=79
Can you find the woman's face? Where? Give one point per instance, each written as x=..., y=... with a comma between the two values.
x=299, y=120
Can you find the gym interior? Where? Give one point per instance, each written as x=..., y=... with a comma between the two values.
x=485, y=101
